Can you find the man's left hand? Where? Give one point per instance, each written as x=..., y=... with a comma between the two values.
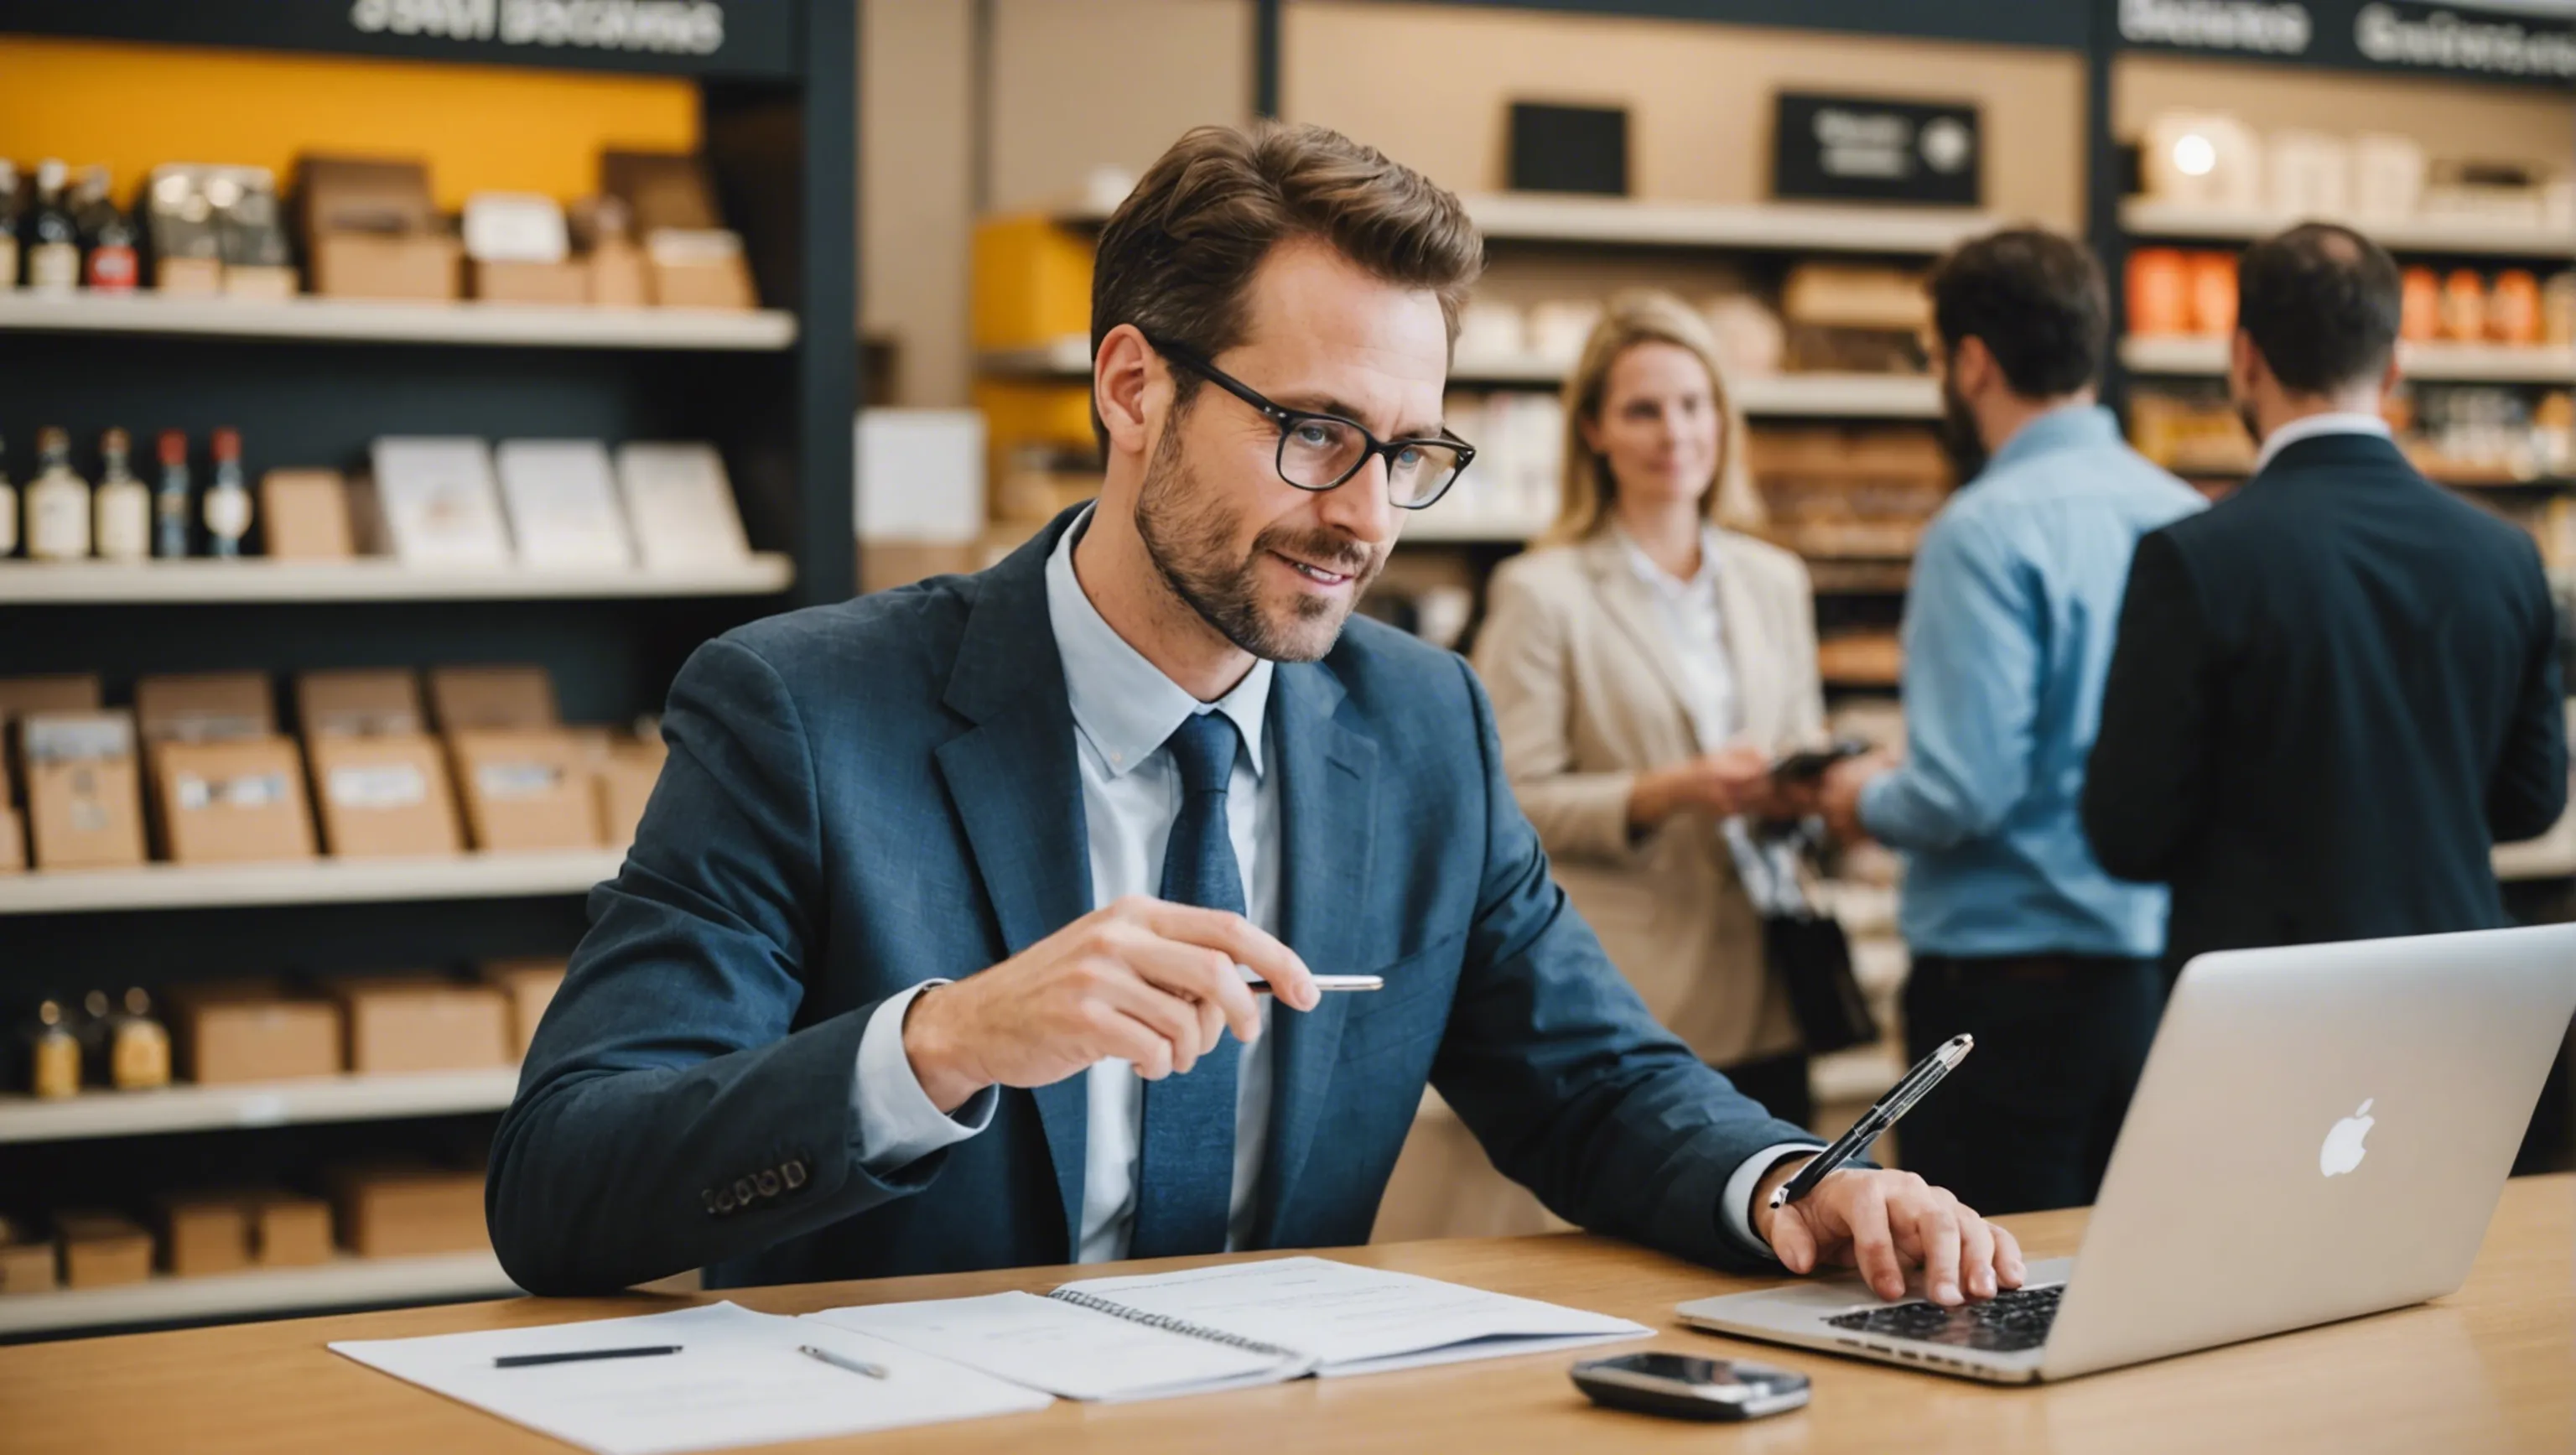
x=1838, y=796
x=1881, y=1222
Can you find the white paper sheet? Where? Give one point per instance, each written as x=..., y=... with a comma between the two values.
x=737, y=1380
x=1055, y=1346
x=1358, y=1320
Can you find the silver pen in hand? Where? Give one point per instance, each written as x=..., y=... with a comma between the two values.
x=1883, y=1114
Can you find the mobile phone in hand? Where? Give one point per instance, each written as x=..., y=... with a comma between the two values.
x=1810, y=765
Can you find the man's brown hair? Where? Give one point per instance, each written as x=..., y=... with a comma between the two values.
x=1180, y=252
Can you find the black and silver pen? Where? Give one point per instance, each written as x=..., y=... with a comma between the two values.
x=1883, y=1114
x=843, y=1361
x=575, y=1356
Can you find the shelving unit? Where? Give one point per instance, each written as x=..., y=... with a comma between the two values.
x=342, y=1283
x=2147, y=217
x=189, y=1108
x=343, y=320
x=318, y=881
x=253, y=579
x=2192, y=355
x=1760, y=226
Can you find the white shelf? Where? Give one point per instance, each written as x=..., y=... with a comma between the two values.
x=2462, y=363
x=266, y=1104
x=1465, y=529
x=343, y=1282
x=1789, y=226
x=2146, y=217
x=318, y=881
x=348, y=320
x=372, y=579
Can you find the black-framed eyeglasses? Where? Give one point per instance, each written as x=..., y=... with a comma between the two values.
x=1321, y=452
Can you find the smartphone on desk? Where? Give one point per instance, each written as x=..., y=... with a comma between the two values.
x=1684, y=1386
x=1810, y=765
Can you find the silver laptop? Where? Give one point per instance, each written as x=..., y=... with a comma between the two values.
x=2321, y=1132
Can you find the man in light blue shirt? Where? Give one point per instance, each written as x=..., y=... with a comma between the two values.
x=2019, y=937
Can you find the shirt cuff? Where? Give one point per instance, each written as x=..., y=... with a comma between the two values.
x=1735, y=1205
x=898, y=1124
x=1885, y=810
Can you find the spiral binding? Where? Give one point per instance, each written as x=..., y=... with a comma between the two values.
x=1171, y=1325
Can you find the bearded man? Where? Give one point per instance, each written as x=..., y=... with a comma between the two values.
x=976, y=924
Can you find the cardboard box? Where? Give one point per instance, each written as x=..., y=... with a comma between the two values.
x=371, y=230
x=365, y=702
x=27, y=1267
x=251, y=1031
x=526, y=788
x=421, y=268
x=399, y=1024
x=188, y=277
x=305, y=514
x=259, y=283
x=287, y=1231
x=101, y=1249
x=19, y=696
x=231, y=802
x=491, y=697
x=698, y=270
x=384, y=797
x=660, y=189
x=204, y=1233
x=399, y=1211
x=522, y=282
x=84, y=791
x=204, y=706
x=531, y=987
x=617, y=274
x=624, y=780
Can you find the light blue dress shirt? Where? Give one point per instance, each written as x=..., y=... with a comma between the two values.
x=2009, y=626
x=1123, y=710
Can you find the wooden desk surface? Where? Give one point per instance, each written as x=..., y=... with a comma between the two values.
x=2492, y=1368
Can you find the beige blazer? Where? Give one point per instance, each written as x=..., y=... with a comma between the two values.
x=1586, y=690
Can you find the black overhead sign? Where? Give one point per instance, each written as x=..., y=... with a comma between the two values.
x=1865, y=148
x=2470, y=41
x=692, y=37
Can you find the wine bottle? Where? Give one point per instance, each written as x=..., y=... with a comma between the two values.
x=227, y=501
x=52, y=239
x=124, y=504
x=171, y=499
x=57, y=503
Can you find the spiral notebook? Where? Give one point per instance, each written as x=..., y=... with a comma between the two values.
x=1154, y=1335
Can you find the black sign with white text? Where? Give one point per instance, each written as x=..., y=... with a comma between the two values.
x=2470, y=41
x=1869, y=149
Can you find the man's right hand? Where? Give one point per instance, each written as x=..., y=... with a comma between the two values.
x=1142, y=980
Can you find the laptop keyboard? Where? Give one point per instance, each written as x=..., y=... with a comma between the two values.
x=2011, y=1321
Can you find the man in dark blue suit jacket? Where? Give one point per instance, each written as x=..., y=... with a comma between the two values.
x=926, y=955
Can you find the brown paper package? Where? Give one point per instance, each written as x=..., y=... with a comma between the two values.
x=411, y=1023
x=205, y=1233
x=304, y=515
x=384, y=797
x=249, y=1031
x=491, y=697
x=288, y=1231
x=101, y=1249
x=84, y=792
x=407, y=1212
x=204, y=706
x=359, y=702
x=525, y=789
x=231, y=802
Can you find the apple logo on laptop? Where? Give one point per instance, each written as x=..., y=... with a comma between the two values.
x=2343, y=1150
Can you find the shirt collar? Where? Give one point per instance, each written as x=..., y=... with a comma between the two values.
x=1705, y=579
x=2065, y=427
x=2337, y=422
x=1122, y=702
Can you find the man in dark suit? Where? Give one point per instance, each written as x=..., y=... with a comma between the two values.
x=925, y=957
x=2336, y=691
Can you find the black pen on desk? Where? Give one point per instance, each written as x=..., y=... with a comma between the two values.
x=575, y=1356
x=838, y=1361
x=1883, y=1114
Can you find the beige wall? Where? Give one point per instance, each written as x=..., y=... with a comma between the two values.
x=1082, y=83
x=916, y=184
x=2451, y=119
x=1430, y=85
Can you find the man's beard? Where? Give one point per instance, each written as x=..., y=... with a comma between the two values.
x=1186, y=530
x=1960, y=441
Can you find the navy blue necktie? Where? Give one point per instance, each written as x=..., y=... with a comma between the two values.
x=1185, y=1167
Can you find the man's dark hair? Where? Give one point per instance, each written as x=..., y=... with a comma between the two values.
x=1180, y=252
x=2321, y=304
x=2035, y=298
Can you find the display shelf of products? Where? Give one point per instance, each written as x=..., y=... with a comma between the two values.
x=2147, y=217
x=492, y=875
x=1431, y=527
x=2465, y=363
x=343, y=1282
x=48, y=583
x=1786, y=226
x=351, y=320
x=1854, y=577
x=182, y=1107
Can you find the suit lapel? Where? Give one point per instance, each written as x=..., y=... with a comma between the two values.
x=1327, y=803
x=1018, y=792
x=1752, y=656
x=1631, y=603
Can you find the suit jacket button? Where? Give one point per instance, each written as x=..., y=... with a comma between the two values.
x=725, y=1201
x=793, y=1173
x=743, y=1191
x=710, y=1195
x=768, y=1180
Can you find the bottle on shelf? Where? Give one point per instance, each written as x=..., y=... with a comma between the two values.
x=111, y=261
x=94, y=1027
x=58, y=510
x=171, y=499
x=138, y=1054
x=13, y=208
x=124, y=504
x=227, y=500
x=51, y=239
x=8, y=507
x=53, y=1053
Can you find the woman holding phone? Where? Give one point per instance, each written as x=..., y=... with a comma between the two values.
x=1648, y=662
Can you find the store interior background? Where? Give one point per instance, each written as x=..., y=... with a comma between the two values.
x=969, y=114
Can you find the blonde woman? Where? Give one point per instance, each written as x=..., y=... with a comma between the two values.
x=1647, y=662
